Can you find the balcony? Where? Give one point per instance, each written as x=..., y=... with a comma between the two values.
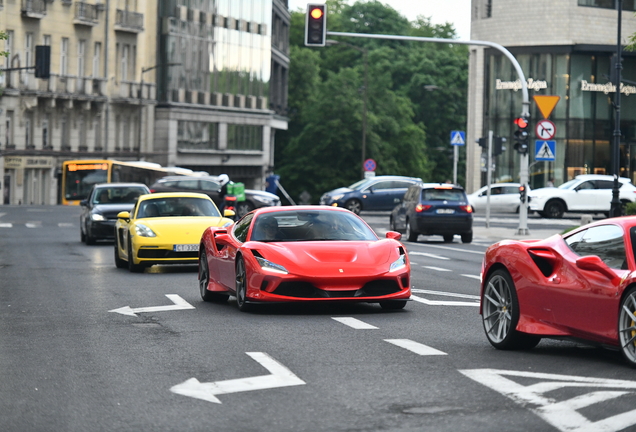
x=34, y=8
x=56, y=87
x=85, y=14
x=131, y=22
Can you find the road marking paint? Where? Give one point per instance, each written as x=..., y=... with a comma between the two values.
x=179, y=303
x=437, y=268
x=36, y=224
x=65, y=225
x=429, y=255
x=472, y=276
x=442, y=293
x=6, y=225
x=541, y=397
x=415, y=347
x=442, y=303
x=354, y=323
x=279, y=376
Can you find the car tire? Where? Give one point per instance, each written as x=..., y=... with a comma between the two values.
x=204, y=280
x=448, y=238
x=500, y=314
x=393, y=304
x=119, y=263
x=354, y=205
x=243, y=208
x=410, y=234
x=626, y=324
x=554, y=209
x=467, y=237
x=132, y=267
x=392, y=226
x=241, y=286
x=82, y=236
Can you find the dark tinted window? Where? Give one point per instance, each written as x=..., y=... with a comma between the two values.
x=605, y=241
x=168, y=207
x=207, y=185
x=397, y=184
x=383, y=185
x=443, y=195
x=189, y=184
x=586, y=185
x=242, y=227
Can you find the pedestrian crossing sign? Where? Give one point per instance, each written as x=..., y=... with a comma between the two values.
x=458, y=138
x=545, y=150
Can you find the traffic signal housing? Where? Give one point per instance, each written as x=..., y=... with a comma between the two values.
x=523, y=193
x=521, y=134
x=316, y=25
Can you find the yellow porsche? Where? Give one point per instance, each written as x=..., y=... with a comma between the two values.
x=165, y=228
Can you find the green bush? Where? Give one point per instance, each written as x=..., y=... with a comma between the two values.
x=630, y=209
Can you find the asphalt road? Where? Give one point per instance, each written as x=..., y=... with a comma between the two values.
x=70, y=362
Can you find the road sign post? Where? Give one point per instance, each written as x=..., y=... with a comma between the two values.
x=457, y=138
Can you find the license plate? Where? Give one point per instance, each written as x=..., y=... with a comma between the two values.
x=186, y=248
x=445, y=211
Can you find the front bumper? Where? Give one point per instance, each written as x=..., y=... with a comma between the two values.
x=102, y=229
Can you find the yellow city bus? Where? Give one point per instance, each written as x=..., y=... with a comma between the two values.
x=79, y=176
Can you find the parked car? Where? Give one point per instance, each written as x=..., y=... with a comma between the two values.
x=211, y=186
x=303, y=254
x=99, y=210
x=580, y=286
x=165, y=228
x=504, y=198
x=434, y=209
x=587, y=193
x=375, y=193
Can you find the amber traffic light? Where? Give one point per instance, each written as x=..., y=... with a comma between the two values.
x=315, y=25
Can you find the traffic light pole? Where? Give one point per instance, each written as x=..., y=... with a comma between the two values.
x=525, y=110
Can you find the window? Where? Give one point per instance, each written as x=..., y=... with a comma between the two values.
x=189, y=184
x=28, y=53
x=28, y=131
x=382, y=185
x=124, y=62
x=242, y=227
x=9, y=129
x=97, y=52
x=81, y=63
x=64, y=57
x=628, y=5
x=210, y=186
x=8, y=47
x=605, y=241
x=45, y=134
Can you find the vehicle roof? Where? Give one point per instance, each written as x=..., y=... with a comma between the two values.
x=601, y=177
x=437, y=185
x=277, y=209
x=188, y=177
x=393, y=177
x=174, y=195
x=122, y=184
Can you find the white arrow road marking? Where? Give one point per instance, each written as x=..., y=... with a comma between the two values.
x=439, y=257
x=437, y=268
x=280, y=377
x=563, y=414
x=415, y=347
x=444, y=302
x=354, y=323
x=179, y=304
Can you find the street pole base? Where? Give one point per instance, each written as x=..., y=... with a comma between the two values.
x=523, y=231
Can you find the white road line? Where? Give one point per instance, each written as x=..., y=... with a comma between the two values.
x=6, y=225
x=472, y=276
x=36, y=224
x=354, y=323
x=429, y=255
x=442, y=303
x=437, y=268
x=442, y=293
x=415, y=347
x=65, y=225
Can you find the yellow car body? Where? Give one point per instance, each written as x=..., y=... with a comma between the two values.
x=165, y=228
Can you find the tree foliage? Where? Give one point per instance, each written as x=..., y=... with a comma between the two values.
x=416, y=94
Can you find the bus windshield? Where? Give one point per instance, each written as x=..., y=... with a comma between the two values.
x=80, y=181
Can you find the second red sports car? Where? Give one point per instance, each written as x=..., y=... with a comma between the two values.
x=303, y=253
x=579, y=285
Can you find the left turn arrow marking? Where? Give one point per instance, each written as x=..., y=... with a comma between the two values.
x=179, y=304
x=280, y=377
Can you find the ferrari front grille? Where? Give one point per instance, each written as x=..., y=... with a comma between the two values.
x=376, y=288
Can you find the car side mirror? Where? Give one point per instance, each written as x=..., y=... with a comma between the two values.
x=84, y=203
x=394, y=235
x=229, y=213
x=123, y=215
x=594, y=263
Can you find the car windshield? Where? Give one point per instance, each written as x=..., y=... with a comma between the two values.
x=569, y=185
x=359, y=184
x=310, y=225
x=118, y=195
x=443, y=195
x=176, y=206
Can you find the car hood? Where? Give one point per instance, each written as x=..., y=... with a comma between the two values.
x=342, y=190
x=182, y=229
x=331, y=258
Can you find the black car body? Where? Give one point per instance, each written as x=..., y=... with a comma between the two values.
x=434, y=209
x=99, y=210
x=211, y=186
x=374, y=193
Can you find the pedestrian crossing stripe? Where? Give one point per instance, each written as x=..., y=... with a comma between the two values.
x=457, y=138
x=545, y=150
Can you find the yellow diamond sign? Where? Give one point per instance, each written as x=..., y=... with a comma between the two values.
x=546, y=104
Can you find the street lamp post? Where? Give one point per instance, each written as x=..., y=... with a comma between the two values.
x=615, y=208
x=365, y=54
x=141, y=112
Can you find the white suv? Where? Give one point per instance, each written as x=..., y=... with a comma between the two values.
x=588, y=193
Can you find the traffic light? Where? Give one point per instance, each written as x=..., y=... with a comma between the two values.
x=523, y=193
x=42, y=61
x=521, y=134
x=316, y=25
x=498, y=147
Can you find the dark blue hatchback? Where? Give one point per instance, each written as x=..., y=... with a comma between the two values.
x=374, y=193
x=434, y=209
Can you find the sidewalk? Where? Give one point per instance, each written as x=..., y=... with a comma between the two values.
x=495, y=234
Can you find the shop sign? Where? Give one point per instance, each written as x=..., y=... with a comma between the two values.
x=607, y=88
x=13, y=162
x=516, y=85
x=38, y=162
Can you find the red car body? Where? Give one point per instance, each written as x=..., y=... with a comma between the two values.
x=578, y=285
x=299, y=267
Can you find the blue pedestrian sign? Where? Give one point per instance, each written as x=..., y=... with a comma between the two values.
x=458, y=138
x=545, y=150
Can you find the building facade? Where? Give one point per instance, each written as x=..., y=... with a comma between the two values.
x=195, y=83
x=565, y=49
x=222, y=89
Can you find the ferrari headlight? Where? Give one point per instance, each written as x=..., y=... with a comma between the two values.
x=97, y=217
x=398, y=264
x=144, y=231
x=268, y=265
x=337, y=197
